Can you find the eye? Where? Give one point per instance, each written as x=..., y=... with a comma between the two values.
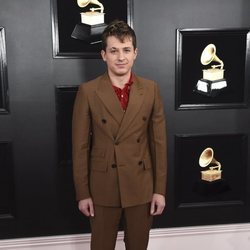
x=113, y=51
x=127, y=50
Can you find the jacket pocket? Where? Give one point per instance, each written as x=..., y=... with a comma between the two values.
x=97, y=160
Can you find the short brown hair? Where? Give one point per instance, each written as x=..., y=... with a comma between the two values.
x=120, y=30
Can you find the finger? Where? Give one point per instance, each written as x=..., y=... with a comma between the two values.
x=155, y=212
x=85, y=211
x=91, y=209
x=152, y=208
x=159, y=209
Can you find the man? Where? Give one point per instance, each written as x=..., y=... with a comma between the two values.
x=119, y=146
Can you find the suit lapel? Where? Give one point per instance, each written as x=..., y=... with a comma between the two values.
x=109, y=98
x=136, y=98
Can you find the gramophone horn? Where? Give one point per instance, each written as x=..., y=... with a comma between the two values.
x=209, y=54
x=207, y=157
x=83, y=3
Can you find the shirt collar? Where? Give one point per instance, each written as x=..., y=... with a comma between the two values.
x=129, y=83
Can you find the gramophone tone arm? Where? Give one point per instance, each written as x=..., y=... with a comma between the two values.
x=217, y=167
x=94, y=9
x=99, y=4
x=221, y=65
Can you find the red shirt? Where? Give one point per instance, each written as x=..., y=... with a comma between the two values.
x=123, y=94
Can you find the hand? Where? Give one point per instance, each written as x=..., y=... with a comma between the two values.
x=86, y=207
x=157, y=204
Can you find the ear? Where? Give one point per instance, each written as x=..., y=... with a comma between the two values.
x=136, y=53
x=103, y=54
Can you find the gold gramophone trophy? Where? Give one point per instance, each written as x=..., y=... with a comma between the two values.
x=207, y=160
x=211, y=181
x=92, y=22
x=213, y=80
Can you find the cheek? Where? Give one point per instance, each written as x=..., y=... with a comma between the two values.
x=132, y=59
x=110, y=63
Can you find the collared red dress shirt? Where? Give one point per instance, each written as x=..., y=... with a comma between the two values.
x=123, y=94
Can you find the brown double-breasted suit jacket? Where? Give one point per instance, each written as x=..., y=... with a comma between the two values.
x=119, y=158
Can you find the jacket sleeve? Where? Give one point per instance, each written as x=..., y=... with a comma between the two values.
x=158, y=140
x=80, y=144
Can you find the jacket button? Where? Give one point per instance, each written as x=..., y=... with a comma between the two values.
x=104, y=121
x=113, y=165
x=138, y=140
x=144, y=118
x=140, y=162
x=116, y=143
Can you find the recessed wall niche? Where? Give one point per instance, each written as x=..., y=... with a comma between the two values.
x=6, y=181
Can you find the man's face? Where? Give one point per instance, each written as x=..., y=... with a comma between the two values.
x=119, y=56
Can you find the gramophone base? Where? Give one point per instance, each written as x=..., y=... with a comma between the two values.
x=211, y=188
x=211, y=175
x=213, y=74
x=92, y=17
x=210, y=88
x=88, y=33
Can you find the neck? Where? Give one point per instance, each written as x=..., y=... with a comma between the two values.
x=119, y=81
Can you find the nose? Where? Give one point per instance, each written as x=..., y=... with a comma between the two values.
x=121, y=56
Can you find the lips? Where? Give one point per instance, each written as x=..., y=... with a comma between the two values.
x=121, y=65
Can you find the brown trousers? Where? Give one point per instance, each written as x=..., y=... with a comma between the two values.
x=137, y=222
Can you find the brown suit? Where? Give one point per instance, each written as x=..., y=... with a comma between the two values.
x=119, y=158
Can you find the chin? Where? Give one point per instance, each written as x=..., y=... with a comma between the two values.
x=121, y=72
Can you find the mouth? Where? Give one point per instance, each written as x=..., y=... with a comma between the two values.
x=121, y=65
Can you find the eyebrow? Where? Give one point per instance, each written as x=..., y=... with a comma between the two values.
x=127, y=47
